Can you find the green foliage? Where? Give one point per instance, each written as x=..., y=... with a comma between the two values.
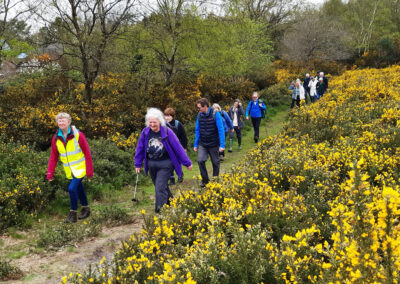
x=9, y=271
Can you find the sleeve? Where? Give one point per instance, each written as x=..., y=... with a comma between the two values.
x=291, y=87
x=197, y=133
x=263, y=106
x=53, y=159
x=228, y=120
x=140, y=151
x=178, y=149
x=221, y=130
x=88, y=156
x=182, y=135
x=248, y=109
x=240, y=111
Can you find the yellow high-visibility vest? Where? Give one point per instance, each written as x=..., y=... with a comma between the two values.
x=72, y=157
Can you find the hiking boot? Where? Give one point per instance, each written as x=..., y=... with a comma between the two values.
x=256, y=139
x=240, y=147
x=72, y=217
x=203, y=184
x=171, y=181
x=85, y=212
x=180, y=180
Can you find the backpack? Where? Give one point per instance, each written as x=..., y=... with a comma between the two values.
x=263, y=111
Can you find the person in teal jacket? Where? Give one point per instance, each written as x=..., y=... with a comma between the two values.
x=254, y=109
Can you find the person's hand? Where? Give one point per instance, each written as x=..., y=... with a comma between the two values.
x=221, y=149
x=138, y=170
x=260, y=104
x=190, y=167
x=195, y=149
x=232, y=130
x=247, y=117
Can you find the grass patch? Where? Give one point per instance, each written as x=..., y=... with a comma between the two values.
x=16, y=254
x=66, y=234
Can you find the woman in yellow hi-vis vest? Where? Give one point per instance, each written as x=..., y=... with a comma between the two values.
x=71, y=146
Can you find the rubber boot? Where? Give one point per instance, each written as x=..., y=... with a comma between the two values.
x=85, y=212
x=240, y=142
x=230, y=145
x=72, y=217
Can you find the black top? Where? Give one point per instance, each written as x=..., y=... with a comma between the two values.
x=155, y=148
x=179, y=131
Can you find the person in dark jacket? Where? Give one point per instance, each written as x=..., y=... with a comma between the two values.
x=321, y=88
x=179, y=130
x=161, y=153
x=306, y=87
x=325, y=80
x=254, y=109
x=209, y=138
x=70, y=145
x=236, y=114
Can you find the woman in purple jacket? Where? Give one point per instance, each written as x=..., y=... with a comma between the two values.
x=162, y=153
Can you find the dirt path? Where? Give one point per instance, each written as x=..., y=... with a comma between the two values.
x=49, y=267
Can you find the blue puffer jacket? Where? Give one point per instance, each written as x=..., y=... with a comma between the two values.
x=255, y=109
x=226, y=120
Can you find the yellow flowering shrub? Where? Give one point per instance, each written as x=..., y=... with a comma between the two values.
x=319, y=203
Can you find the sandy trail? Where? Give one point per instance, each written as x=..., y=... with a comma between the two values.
x=49, y=267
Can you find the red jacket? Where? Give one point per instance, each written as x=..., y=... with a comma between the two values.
x=54, y=153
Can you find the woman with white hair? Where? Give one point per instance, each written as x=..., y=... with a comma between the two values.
x=161, y=153
x=71, y=146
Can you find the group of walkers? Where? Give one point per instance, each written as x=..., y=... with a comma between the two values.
x=313, y=87
x=161, y=148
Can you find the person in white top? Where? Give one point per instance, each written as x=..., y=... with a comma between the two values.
x=313, y=88
x=236, y=113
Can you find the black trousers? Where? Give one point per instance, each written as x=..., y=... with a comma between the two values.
x=160, y=172
x=202, y=156
x=295, y=101
x=256, y=125
x=238, y=134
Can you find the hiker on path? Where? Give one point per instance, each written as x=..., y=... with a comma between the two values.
x=324, y=79
x=307, y=80
x=179, y=130
x=209, y=138
x=298, y=92
x=161, y=153
x=255, y=109
x=236, y=113
x=71, y=146
x=313, y=88
x=321, y=88
x=228, y=125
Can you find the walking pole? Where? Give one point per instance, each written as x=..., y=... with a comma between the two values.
x=134, y=194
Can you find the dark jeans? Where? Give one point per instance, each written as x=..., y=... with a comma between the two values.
x=297, y=101
x=77, y=191
x=202, y=156
x=256, y=125
x=238, y=134
x=160, y=172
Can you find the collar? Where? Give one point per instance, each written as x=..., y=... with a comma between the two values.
x=162, y=131
x=59, y=133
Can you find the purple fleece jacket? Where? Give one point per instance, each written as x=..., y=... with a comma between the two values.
x=171, y=143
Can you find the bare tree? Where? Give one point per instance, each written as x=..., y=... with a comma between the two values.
x=85, y=28
x=313, y=36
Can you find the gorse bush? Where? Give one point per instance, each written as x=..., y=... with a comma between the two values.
x=315, y=204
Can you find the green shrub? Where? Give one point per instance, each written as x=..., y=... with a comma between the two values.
x=9, y=271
